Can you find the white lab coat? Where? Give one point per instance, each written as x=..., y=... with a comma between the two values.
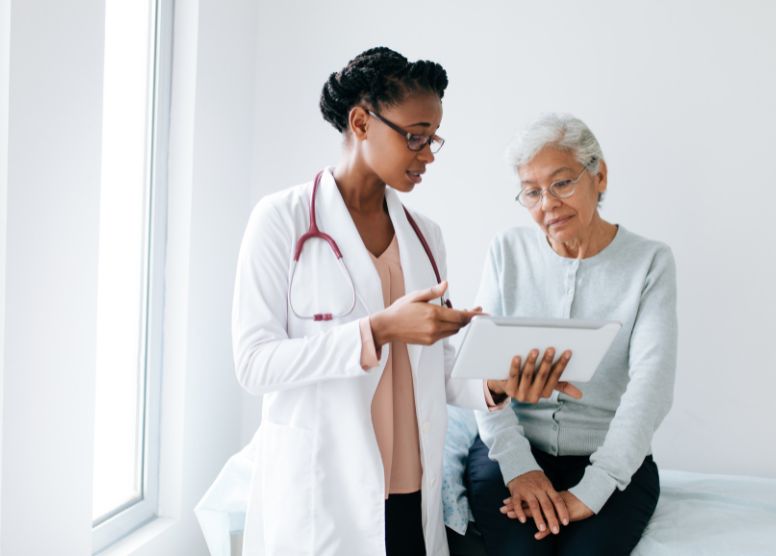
x=317, y=485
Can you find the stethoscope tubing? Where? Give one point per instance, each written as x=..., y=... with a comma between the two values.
x=315, y=233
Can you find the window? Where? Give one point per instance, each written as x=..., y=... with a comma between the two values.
x=131, y=266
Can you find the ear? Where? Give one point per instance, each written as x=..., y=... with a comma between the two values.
x=601, y=177
x=357, y=122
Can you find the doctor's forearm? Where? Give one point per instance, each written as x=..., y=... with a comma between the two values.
x=270, y=365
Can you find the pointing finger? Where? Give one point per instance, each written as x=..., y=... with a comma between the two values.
x=454, y=315
x=429, y=294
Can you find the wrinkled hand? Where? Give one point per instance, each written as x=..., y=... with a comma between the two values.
x=413, y=320
x=577, y=510
x=532, y=495
x=529, y=386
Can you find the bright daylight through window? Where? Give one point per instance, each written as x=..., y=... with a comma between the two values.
x=121, y=434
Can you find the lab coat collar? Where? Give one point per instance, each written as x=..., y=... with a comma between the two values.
x=334, y=219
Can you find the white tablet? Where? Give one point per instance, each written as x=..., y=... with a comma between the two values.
x=490, y=343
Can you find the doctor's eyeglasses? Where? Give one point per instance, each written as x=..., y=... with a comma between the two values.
x=562, y=189
x=415, y=142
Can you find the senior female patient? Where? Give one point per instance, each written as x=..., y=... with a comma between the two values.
x=581, y=468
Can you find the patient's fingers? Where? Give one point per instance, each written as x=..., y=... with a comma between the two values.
x=541, y=534
x=569, y=389
x=514, y=378
x=526, y=510
x=527, y=376
x=536, y=512
x=549, y=513
x=543, y=377
x=557, y=370
x=560, y=506
x=514, y=510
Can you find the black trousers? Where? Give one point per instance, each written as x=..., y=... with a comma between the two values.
x=404, y=525
x=614, y=531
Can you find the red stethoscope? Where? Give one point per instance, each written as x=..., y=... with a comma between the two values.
x=314, y=232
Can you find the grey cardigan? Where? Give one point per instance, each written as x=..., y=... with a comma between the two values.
x=632, y=281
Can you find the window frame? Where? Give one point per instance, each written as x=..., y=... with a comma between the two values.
x=141, y=511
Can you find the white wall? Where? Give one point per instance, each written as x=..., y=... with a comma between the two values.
x=5, y=55
x=51, y=276
x=56, y=67
x=680, y=95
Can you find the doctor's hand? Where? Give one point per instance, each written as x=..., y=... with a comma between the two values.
x=532, y=496
x=531, y=384
x=413, y=320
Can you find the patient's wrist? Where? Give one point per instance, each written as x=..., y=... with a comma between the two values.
x=496, y=393
x=496, y=390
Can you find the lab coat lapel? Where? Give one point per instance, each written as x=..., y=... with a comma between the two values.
x=334, y=219
x=415, y=264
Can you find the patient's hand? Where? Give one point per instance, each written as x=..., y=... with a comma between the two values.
x=533, y=495
x=529, y=386
x=577, y=511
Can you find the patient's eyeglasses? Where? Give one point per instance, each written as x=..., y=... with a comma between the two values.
x=562, y=189
x=415, y=142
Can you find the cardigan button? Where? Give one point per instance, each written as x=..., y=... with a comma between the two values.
x=426, y=426
x=433, y=482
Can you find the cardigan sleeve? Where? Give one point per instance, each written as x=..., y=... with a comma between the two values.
x=649, y=394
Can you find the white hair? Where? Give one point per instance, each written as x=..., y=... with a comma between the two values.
x=561, y=131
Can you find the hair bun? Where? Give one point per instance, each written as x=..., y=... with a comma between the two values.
x=379, y=76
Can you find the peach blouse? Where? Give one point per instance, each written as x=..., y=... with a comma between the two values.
x=393, y=406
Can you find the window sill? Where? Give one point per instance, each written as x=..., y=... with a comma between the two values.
x=137, y=539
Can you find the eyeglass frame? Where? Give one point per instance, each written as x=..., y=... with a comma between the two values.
x=429, y=139
x=541, y=194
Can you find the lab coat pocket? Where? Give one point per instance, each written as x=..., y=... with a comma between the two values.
x=288, y=488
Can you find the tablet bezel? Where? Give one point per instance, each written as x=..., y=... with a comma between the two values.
x=609, y=331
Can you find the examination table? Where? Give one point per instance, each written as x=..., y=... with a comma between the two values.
x=697, y=514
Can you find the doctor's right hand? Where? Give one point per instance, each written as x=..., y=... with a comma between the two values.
x=413, y=320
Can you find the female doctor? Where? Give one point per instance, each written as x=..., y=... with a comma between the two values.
x=354, y=378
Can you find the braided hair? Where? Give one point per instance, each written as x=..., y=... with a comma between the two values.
x=380, y=77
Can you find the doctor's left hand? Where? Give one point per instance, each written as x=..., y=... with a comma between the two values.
x=413, y=320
